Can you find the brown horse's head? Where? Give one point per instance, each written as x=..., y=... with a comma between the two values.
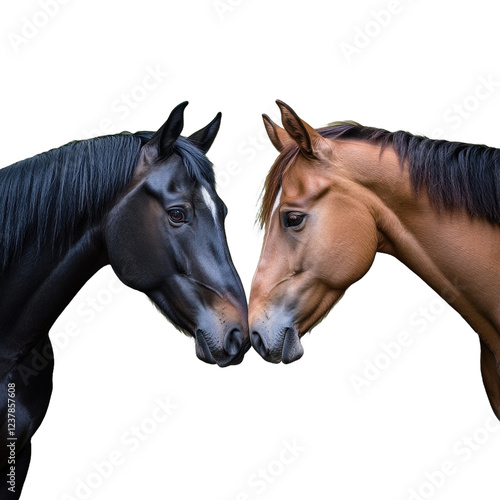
x=320, y=237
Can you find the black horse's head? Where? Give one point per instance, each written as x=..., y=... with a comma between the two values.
x=165, y=237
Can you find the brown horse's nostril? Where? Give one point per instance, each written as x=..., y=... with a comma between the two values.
x=258, y=344
x=233, y=342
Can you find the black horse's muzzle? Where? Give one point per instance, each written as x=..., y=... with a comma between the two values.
x=223, y=351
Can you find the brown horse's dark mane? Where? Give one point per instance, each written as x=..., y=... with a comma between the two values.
x=455, y=174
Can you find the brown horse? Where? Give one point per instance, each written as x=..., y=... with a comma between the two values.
x=337, y=195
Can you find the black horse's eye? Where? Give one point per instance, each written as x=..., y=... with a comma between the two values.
x=294, y=219
x=177, y=216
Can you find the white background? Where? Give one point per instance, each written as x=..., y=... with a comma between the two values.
x=419, y=65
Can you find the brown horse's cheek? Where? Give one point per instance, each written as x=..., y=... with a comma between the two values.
x=350, y=253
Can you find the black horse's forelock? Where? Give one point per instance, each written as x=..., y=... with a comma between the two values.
x=197, y=164
x=52, y=197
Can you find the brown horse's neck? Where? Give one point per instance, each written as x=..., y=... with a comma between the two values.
x=458, y=256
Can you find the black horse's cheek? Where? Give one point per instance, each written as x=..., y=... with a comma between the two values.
x=135, y=262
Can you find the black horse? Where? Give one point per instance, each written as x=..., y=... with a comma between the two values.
x=144, y=203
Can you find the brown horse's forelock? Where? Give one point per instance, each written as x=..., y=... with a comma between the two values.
x=273, y=181
x=287, y=157
x=454, y=174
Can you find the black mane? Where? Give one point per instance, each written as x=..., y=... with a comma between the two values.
x=454, y=174
x=52, y=197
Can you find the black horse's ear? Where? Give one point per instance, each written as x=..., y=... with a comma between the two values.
x=204, y=138
x=170, y=131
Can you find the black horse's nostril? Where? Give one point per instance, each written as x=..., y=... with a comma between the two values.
x=258, y=344
x=233, y=342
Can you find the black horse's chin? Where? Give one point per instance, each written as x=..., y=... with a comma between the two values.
x=213, y=354
x=238, y=358
x=202, y=349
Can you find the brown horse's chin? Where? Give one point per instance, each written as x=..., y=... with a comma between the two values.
x=285, y=345
x=320, y=311
x=292, y=347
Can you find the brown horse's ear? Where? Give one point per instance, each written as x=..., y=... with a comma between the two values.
x=205, y=137
x=279, y=136
x=302, y=133
x=170, y=131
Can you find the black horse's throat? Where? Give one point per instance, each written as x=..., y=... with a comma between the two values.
x=29, y=307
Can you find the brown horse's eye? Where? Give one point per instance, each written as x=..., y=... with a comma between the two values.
x=294, y=219
x=177, y=216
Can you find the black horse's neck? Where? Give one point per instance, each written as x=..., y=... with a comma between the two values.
x=36, y=288
x=51, y=208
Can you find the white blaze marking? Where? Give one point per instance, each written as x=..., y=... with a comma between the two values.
x=276, y=202
x=209, y=202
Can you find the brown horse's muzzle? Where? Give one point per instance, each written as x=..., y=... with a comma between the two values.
x=275, y=341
